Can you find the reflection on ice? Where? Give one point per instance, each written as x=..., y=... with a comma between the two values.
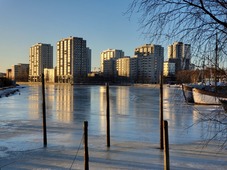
x=134, y=113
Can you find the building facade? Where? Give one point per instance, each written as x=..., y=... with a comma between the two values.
x=73, y=60
x=168, y=69
x=149, y=63
x=40, y=57
x=109, y=68
x=123, y=67
x=180, y=54
x=134, y=69
x=20, y=72
x=88, y=60
x=109, y=54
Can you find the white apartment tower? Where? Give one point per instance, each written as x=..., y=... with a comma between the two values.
x=73, y=60
x=149, y=64
x=110, y=54
x=40, y=57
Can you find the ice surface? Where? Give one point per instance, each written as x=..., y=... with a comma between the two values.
x=134, y=129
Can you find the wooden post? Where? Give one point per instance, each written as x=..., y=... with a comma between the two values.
x=86, y=157
x=161, y=111
x=166, y=146
x=44, y=113
x=107, y=116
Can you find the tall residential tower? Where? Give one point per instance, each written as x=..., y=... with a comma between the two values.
x=40, y=57
x=148, y=63
x=73, y=60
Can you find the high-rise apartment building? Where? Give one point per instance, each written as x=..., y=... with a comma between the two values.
x=73, y=60
x=40, y=57
x=108, y=54
x=149, y=63
x=180, y=54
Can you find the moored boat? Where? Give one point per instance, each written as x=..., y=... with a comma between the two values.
x=187, y=91
x=209, y=96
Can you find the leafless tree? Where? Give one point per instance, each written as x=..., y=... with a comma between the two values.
x=196, y=22
x=201, y=23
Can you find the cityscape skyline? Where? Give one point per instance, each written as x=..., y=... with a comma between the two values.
x=102, y=23
x=74, y=63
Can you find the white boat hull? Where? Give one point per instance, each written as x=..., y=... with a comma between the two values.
x=187, y=91
x=208, y=98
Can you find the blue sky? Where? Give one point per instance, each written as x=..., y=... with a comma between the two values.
x=100, y=22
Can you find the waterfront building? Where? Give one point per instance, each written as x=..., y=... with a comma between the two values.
x=20, y=72
x=40, y=57
x=149, y=63
x=123, y=67
x=134, y=69
x=109, y=68
x=109, y=54
x=168, y=68
x=180, y=54
x=73, y=60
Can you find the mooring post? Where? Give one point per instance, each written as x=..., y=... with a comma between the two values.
x=161, y=111
x=166, y=146
x=107, y=116
x=44, y=113
x=86, y=157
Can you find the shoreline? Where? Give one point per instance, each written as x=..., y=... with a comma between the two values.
x=92, y=84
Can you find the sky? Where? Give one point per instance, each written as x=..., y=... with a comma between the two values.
x=102, y=23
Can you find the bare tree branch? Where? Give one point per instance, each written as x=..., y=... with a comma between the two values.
x=192, y=21
x=195, y=22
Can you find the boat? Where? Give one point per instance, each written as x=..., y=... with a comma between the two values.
x=224, y=104
x=187, y=91
x=209, y=96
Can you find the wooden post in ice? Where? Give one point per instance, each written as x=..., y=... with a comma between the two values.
x=161, y=110
x=86, y=157
x=166, y=146
x=44, y=113
x=107, y=116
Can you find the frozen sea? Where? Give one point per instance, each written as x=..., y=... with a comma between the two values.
x=134, y=117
